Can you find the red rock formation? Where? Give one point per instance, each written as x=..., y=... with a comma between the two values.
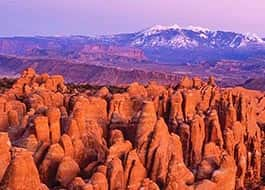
x=134, y=171
x=49, y=165
x=144, y=130
x=195, y=136
x=225, y=176
x=42, y=128
x=5, y=146
x=136, y=90
x=115, y=174
x=67, y=171
x=22, y=172
x=66, y=143
x=54, y=116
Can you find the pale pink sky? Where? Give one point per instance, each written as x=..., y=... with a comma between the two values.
x=86, y=17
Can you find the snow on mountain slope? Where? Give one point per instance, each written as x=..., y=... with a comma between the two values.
x=191, y=37
x=166, y=44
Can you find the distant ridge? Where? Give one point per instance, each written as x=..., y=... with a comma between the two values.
x=171, y=44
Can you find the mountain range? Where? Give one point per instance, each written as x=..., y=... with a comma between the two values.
x=170, y=44
x=229, y=56
x=178, y=45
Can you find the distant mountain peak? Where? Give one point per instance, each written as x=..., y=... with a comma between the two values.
x=175, y=36
x=254, y=37
x=163, y=27
x=197, y=29
x=159, y=28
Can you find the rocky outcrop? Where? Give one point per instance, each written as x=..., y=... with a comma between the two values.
x=22, y=172
x=134, y=171
x=50, y=164
x=5, y=148
x=67, y=171
x=192, y=136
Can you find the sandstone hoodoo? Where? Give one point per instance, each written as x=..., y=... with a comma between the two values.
x=193, y=136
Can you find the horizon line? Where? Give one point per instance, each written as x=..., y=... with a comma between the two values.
x=188, y=27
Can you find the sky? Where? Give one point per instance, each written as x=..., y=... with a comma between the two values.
x=92, y=17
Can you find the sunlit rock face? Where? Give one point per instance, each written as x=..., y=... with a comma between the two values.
x=192, y=136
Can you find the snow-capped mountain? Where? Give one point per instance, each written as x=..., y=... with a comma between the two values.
x=191, y=37
x=190, y=44
x=170, y=44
